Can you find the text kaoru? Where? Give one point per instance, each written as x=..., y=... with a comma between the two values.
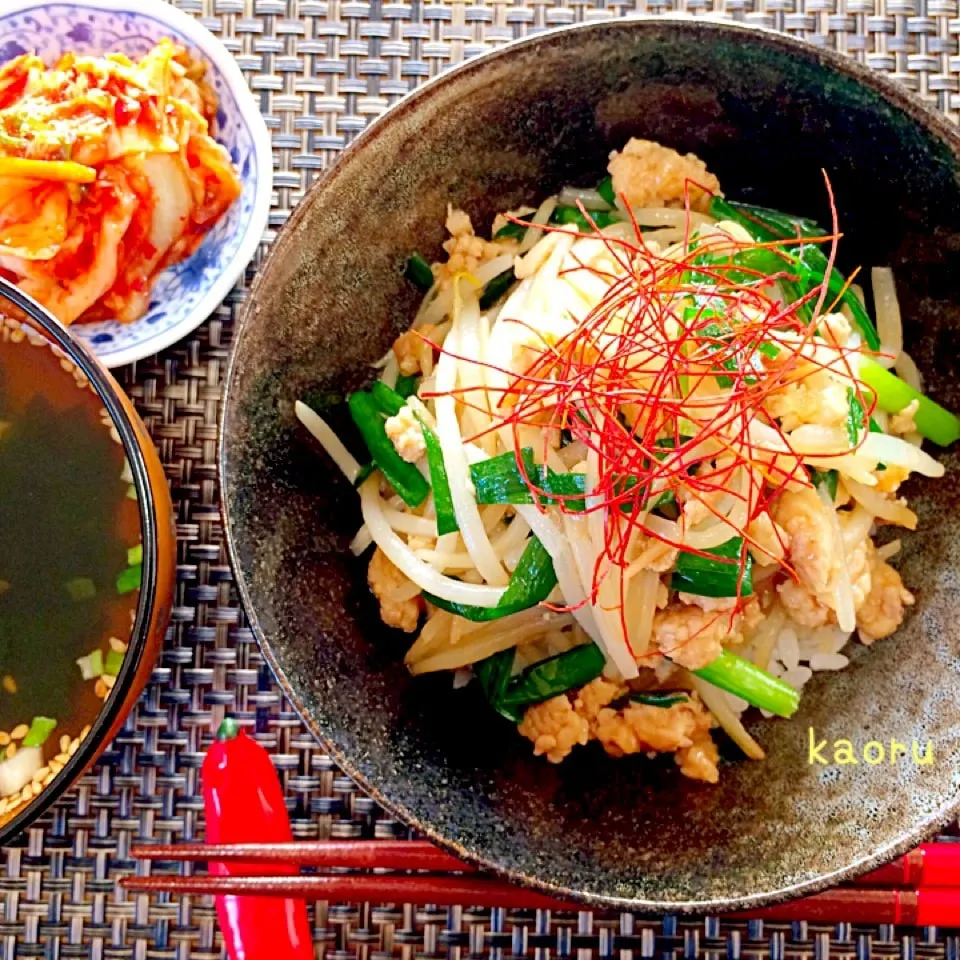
x=842, y=752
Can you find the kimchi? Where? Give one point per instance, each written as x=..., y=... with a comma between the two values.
x=109, y=174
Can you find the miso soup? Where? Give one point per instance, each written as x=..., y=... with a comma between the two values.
x=70, y=560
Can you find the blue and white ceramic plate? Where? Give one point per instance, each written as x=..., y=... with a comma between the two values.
x=186, y=294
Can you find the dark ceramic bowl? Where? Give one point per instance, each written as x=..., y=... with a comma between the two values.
x=767, y=114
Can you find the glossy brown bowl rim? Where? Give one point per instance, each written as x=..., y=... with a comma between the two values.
x=889, y=90
x=109, y=394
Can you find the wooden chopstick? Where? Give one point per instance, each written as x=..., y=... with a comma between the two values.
x=444, y=890
x=445, y=880
x=930, y=865
x=357, y=854
x=848, y=905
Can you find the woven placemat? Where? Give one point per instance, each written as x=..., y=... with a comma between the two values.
x=322, y=69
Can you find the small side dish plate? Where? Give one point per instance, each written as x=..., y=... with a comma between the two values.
x=187, y=293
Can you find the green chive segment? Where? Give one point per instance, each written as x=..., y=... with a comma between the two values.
x=551, y=677
x=404, y=477
x=825, y=478
x=893, y=394
x=605, y=189
x=658, y=698
x=442, y=498
x=514, y=231
x=496, y=288
x=806, y=260
x=747, y=681
x=572, y=215
x=387, y=399
x=418, y=272
x=532, y=581
x=501, y=480
x=407, y=385
x=716, y=575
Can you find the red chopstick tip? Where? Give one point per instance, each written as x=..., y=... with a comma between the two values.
x=938, y=908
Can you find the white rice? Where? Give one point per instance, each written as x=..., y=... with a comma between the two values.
x=798, y=653
x=828, y=661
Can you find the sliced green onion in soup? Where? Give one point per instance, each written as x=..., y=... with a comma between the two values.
x=91, y=666
x=80, y=588
x=129, y=580
x=113, y=663
x=39, y=732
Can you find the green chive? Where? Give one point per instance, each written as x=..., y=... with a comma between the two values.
x=135, y=555
x=407, y=385
x=532, y=581
x=514, y=231
x=720, y=577
x=442, y=498
x=825, y=478
x=493, y=675
x=387, y=399
x=855, y=416
x=365, y=472
x=551, y=677
x=572, y=215
x=893, y=394
x=747, y=681
x=404, y=477
x=659, y=698
x=418, y=272
x=496, y=288
x=605, y=189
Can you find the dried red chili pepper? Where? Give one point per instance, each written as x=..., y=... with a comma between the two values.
x=243, y=802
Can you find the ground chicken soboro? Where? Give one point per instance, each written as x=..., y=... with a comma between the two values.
x=602, y=712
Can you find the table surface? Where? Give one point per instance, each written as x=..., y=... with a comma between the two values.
x=322, y=70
